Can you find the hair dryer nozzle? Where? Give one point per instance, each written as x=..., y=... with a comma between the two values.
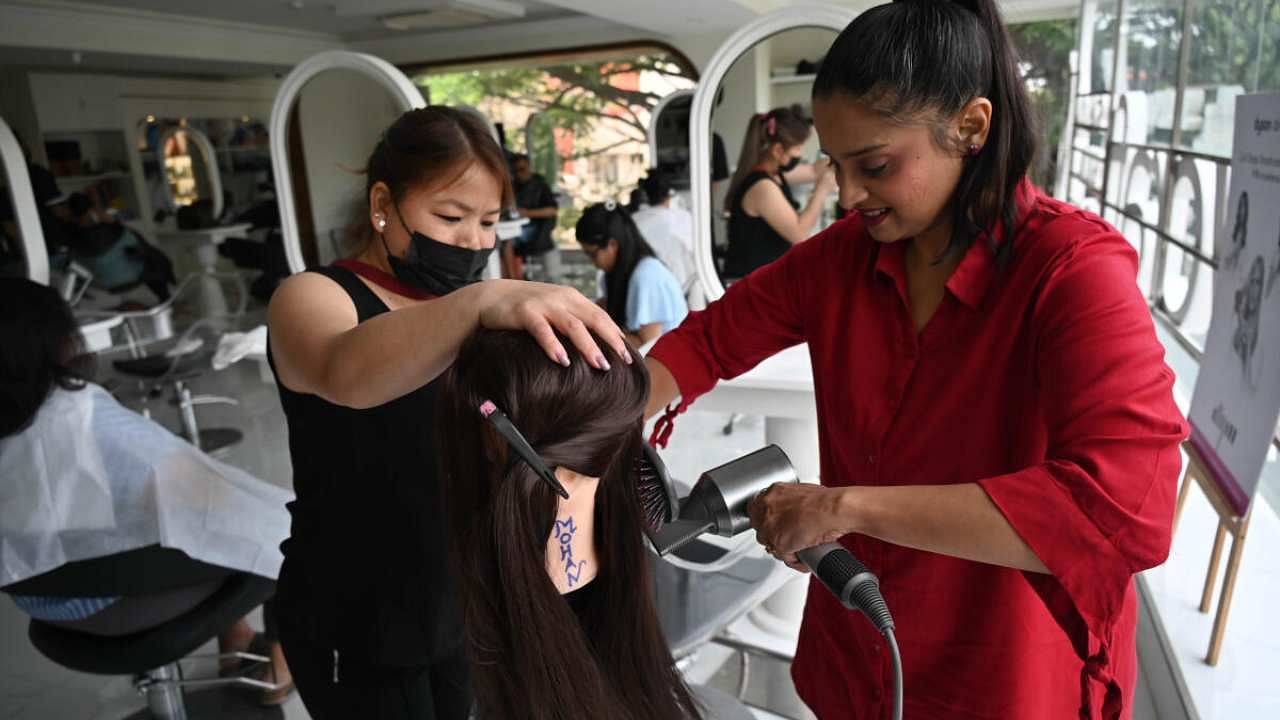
x=722, y=494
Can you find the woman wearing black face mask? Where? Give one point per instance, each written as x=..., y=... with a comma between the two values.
x=764, y=219
x=368, y=619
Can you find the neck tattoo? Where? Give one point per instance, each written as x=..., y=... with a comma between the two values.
x=564, y=532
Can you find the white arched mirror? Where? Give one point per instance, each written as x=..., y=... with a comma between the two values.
x=405, y=96
x=189, y=169
x=669, y=137
x=759, y=67
x=23, y=229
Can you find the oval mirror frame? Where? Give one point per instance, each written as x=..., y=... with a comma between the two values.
x=383, y=72
x=656, y=114
x=25, y=211
x=829, y=18
x=205, y=147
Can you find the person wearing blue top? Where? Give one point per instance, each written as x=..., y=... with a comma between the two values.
x=640, y=293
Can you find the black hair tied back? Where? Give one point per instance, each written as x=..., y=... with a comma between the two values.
x=923, y=61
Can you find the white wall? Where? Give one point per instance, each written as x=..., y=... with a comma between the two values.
x=342, y=114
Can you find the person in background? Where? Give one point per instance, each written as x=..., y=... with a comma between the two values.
x=764, y=218
x=96, y=496
x=535, y=201
x=667, y=229
x=639, y=292
x=118, y=258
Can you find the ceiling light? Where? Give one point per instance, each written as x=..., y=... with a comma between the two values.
x=455, y=13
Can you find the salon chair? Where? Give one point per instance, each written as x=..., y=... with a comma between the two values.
x=152, y=656
x=174, y=370
x=160, y=372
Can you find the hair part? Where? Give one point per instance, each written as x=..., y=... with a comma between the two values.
x=923, y=61
x=786, y=125
x=40, y=349
x=427, y=148
x=598, y=225
x=532, y=655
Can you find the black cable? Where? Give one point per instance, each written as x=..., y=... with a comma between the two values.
x=857, y=589
x=897, y=673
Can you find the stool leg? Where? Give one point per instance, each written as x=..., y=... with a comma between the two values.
x=187, y=408
x=164, y=694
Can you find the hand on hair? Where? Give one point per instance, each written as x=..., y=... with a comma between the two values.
x=793, y=516
x=542, y=310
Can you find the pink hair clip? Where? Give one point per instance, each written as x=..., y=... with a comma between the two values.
x=772, y=128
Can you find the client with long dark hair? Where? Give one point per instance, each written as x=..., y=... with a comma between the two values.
x=560, y=621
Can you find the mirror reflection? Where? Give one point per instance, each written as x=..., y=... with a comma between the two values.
x=185, y=161
x=772, y=188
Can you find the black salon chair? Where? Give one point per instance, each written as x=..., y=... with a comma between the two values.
x=162, y=372
x=152, y=656
x=158, y=373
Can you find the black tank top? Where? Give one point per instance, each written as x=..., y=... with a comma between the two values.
x=365, y=567
x=752, y=241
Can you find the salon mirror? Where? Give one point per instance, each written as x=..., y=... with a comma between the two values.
x=22, y=246
x=188, y=169
x=768, y=63
x=293, y=154
x=669, y=138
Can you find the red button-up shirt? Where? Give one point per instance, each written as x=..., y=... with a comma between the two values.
x=1043, y=382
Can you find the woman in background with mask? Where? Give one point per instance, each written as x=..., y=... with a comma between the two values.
x=368, y=617
x=764, y=218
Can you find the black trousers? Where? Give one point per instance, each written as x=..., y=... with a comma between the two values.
x=440, y=691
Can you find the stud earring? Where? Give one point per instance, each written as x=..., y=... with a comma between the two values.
x=381, y=223
x=974, y=150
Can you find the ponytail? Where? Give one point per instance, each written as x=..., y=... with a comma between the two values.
x=786, y=125
x=927, y=59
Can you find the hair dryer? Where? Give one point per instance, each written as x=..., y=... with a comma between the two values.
x=718, y=504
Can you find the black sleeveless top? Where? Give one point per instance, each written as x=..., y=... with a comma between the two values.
x=752, y=241
x=365, y=567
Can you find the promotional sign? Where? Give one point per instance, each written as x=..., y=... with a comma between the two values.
x=1237, y=396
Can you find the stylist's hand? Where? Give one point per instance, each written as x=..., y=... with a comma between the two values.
x=793, y=516
x=542, y=309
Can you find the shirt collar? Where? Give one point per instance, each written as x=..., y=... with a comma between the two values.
x=972, y=278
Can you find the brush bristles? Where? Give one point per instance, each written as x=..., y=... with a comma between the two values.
x=655, y=506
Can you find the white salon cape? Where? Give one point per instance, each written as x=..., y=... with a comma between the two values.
x=91, y=478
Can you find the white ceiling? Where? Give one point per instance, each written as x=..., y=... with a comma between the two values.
x=340, y=18
x=247, y=37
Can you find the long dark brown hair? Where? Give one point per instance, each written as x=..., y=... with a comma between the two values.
x=531, y=656
x=40, y=351
x=925, y=59
x=423, y=147
x=785, y=125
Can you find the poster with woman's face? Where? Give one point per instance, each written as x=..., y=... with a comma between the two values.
x=1237, y=396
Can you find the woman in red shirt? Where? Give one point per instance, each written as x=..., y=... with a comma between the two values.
x=998, y=437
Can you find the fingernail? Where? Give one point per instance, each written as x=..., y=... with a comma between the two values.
x=563, y=358
x=601, y=362
x=626, y=356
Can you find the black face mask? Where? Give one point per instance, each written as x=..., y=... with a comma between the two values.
x=435, y=267
x=791, y=165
